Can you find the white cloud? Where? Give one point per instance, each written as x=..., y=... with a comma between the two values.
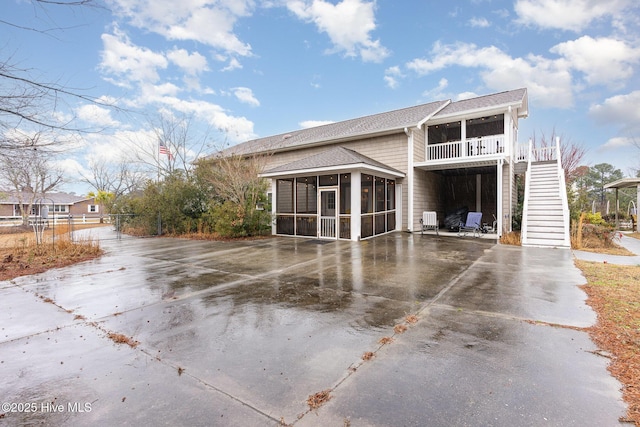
x=209, y=22
x=347, y=23
x=602, y=60
x=437, y=93
x=573, y=15
x=392, y=74
x=245, y=95
x=618, y=142
x=466, y=95
x=234, y=64
x=96, y=115
x=314, y=123
x=192, y=63
x=621, y=110
x=479, y=22
x=549, y=82
x=128, y=61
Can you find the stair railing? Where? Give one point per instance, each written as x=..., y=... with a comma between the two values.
x=525, y=207
x=563, y=196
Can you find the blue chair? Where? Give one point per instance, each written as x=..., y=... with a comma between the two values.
x=473, y=224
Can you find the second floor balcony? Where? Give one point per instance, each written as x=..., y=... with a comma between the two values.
x=490, y=146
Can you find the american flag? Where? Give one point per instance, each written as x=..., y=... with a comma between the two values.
x=163, y=149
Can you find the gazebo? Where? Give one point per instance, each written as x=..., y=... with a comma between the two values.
x=626, y=183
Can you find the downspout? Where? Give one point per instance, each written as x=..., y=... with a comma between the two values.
x=409, y=179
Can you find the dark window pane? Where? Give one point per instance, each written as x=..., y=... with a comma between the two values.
x=284, y=225
x=306, y=226
x=380, y=222
x=306, y=195
x=391, y=194
x=284, y=196
x=367, y=194
x=366, y=225
x=380, y=194
x=345, y=228
x=328, y=180
x=391, y=221
x=345, y=193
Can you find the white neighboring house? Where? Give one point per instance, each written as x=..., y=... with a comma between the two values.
x=360, y=178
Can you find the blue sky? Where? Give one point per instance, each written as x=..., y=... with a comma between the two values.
x=251, y=68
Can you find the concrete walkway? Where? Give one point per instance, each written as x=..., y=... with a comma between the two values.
x=242, y=333
x=630, y=243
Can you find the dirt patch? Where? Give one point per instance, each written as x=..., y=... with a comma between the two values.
x=123, y=339
x=320, y=398
x=614, y=293
x=21, y=256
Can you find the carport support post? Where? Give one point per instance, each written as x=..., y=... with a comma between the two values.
x=637, y=206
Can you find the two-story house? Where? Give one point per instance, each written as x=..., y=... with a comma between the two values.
x=372, y=175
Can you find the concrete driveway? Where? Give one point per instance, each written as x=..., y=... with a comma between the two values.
x=242, y=333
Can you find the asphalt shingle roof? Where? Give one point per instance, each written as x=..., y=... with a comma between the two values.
x=376, y=123
x=333, y=157
x=11, y=197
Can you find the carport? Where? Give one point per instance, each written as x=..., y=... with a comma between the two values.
x=626, y=183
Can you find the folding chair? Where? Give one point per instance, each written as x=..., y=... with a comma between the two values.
x=473, y=224
x=429, y=221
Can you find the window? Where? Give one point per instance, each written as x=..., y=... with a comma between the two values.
x=93, y=208
x=60, y=208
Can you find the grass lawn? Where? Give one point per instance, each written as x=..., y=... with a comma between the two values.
x=614, y=294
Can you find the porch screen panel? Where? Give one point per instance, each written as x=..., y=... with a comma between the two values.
x=345, y=193
x=367, y=194
x=306, y=195
x=284, y=224
x=284, y=196
x=380, y=197
x=366, y=226
x=306, y=226
x=391, y=195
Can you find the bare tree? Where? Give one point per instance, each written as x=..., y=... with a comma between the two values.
x=28, y=101
x=29, y=174
x=116, y=178
x=235, y=178
x=176, y=147
x=570, y=152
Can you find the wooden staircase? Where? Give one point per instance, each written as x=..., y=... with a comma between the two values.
x=545, y=217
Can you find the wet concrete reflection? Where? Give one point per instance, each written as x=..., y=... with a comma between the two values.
x=241, y=333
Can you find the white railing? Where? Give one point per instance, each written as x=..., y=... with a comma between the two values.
x=328, y=227
x=471, y=147
x=522, y=152
x=524, y=224
x=563, y=195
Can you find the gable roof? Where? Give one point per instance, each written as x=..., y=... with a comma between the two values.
x=332, y=159
x=380, y=124
x=496, y=100
x=13, y=198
